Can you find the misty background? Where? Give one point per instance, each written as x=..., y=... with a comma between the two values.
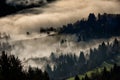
x=56, y=14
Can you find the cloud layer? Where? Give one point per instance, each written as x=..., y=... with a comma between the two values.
x=56, y=14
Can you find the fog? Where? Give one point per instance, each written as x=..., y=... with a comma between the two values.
x=56, y=14
x=30, y=51
x=44, y=46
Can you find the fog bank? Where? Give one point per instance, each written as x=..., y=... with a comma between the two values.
x=56, y=14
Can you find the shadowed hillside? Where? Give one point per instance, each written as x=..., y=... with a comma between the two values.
x=102, y=26
x=6, y=9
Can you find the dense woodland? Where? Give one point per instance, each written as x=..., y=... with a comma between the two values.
x=65, y=65
x=70, y=65
x=113, y=74
x=6, y=9
x=102, y=26
x=11, y=68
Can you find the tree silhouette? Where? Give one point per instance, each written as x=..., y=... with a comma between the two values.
x=86, y=77
x=12, y=69
x=46, y=76
x=105, y=26
x=82, y=58
x=69, y=64
x=76, y=77
x=113, y=74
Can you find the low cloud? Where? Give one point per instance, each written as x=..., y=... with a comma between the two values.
x=56, y=14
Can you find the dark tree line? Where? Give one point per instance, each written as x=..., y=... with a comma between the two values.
x=70, y=65
x=102, y=26
x=6, y=9
x=113, y=74
x=47, y=30
x=11, y=69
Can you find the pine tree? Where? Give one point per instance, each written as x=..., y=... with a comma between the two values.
x=82, y=58
x=76, y=77
x=86, y=77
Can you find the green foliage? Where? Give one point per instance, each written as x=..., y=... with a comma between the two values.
x=105, y=73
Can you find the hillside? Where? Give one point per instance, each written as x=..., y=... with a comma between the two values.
x=8, y=7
